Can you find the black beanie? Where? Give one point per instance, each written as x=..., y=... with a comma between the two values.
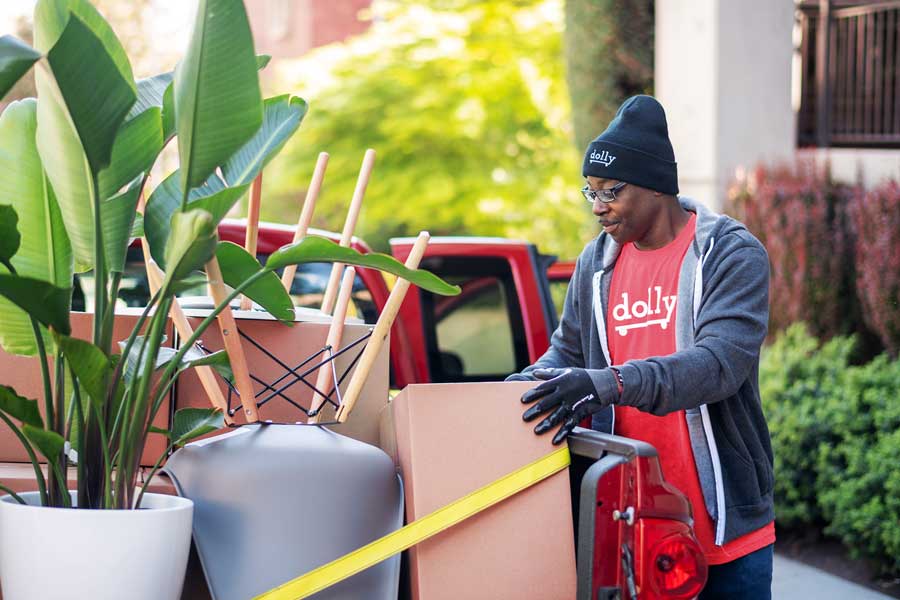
x=635, y=148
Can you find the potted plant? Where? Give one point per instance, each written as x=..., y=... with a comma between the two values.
x=73, y=164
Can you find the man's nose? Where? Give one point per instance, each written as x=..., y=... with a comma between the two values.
x=600, y=208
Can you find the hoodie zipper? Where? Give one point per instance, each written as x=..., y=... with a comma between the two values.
x=704, y=415
x=601, y=329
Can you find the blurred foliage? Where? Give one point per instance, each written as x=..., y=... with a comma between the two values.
x=876, y=218
x=465, y=104
x=835, y=438
x=800, y=215
x=609, y=57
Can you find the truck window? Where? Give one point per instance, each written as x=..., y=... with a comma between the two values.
x=558, y=289
x=478, y=335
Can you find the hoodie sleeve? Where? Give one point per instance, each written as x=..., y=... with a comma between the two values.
x=728, y=333
x=565, y=343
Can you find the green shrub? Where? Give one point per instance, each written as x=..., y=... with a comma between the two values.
x=799, y=383
x=836, y=437
x=858, y=478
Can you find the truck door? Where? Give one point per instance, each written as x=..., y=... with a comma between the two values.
x=498, y=325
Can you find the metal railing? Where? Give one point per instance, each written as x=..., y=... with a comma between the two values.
x=850, y=78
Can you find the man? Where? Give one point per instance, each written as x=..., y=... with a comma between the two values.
x=659, y=340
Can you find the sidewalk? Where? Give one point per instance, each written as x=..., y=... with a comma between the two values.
x=792, y=580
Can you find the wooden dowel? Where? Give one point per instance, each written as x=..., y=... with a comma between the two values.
x=206, y=374
x=309, y=205
x=232, y=340
x=252, y=233
x=382, y=329
x=325, y=377
x=349, y=226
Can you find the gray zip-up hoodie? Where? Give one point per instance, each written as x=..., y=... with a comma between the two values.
x=720, y=324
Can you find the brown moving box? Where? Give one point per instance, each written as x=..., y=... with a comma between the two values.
x=452, y=439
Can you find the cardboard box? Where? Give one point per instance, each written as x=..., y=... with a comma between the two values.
x=452, y=439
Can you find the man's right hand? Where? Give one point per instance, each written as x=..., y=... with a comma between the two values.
x=568, y=395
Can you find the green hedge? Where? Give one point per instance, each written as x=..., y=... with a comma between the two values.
x=836, y=438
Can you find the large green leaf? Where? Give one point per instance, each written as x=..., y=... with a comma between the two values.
x=48, y=304
x=217, y=360
x=9, y=233
x=168, y=112
x=49, y=443
x=165, y=201
x=137, y=228
x=156, y=92
x=319, y=249
x=66, y=167
x=16, y=58
x=150, y=92
x=117, y=215
x=282, y=117
x=191, y=244
x=96, y=93
x=135, y=362
x=218, y=106
x=52, y=16
x=193, y=284
x=238, y=265
x=138, y=143
x=90, y=365
x=194, y=357
x=22, y=409
x=191, y=423
x=58, y=142
x=44, y=252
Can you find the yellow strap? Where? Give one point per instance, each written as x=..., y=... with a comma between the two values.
x=420, y=530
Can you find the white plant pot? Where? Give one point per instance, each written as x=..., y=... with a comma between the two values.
x=59, y=553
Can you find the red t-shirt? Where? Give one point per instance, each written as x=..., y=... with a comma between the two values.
x=641, y=323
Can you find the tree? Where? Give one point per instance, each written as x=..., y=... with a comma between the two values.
x=466, y=106
x=609, y=57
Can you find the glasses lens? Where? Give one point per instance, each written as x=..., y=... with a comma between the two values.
x=606, y=195
x=588, y=194
x=592, y=196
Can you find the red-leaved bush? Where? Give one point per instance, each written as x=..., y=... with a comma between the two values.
x=876, y=220
x=800, y=215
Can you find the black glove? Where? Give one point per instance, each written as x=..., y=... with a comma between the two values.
x=569, y=393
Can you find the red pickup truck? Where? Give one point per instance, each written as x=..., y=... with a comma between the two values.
x=500, y=323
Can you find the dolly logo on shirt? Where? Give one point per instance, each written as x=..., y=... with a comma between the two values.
x=655, y=309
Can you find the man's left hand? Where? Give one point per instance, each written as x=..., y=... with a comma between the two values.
x=569, y=393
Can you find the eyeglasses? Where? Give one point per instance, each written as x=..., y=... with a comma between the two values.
x=606, y=195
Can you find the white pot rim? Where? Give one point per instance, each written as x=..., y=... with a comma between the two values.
x=162, y=502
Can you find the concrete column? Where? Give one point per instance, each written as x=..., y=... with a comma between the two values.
x=723, y=74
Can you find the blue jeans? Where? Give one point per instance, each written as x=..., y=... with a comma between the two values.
x=746, y=578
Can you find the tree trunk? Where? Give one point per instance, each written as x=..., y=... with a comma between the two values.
x=609, y=57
